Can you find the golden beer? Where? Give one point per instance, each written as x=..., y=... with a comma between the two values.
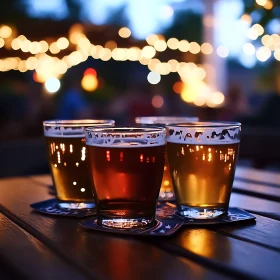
x=127, y=175
x=68, y=161
x=166, y=189
x=202, y=173
x=69, y=168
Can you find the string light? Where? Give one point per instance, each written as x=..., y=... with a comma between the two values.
x=124, y=32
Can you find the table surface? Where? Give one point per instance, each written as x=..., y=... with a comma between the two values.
x=37, y=246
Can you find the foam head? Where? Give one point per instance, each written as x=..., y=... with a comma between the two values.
x=125, y=137
x=204, y=133
x=72, y=128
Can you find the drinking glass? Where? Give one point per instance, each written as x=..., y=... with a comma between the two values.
x=202, y=160
x=68, y=161
x=166, y=190
x=126, y=165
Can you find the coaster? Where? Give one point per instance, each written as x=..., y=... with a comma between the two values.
x=161, y=228
x=50, y=207
x=168, y=210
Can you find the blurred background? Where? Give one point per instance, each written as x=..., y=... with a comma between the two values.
x=72, y=59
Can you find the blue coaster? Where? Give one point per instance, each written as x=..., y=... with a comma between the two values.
x=168, y=210
x=160, y=228
x=50, y=207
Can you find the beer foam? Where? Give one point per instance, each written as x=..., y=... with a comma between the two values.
x=121, y=141
x=203, y=135
x=65, y=132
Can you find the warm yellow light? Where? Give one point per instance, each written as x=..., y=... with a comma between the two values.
x=263, y=54
x=124, y=32
x=31, y=63
x=216, y=99
x=25, y=46
x=144, y=61
x=268, y=5
x=194, y=47
x=261, y=2
x=35, y=47
x=111, y=45
x=22, y=37
x=152, y=64
x=76, y=33
x=160, y=45
x=61, y=67
x=148, y=52
x=119, y=54
x=173, y=43
x=249, y=49
x=16, y=43
x=200, y=100
x=95, y=51
x=5, y=31
x=54, y=49
x=252, y=34
x=206, y=48
x=62, y=43
x=84, y=43
x=246, y=18
x=2, y=42
x=89, y=83
x=195, y=91
x=277, y=54
x=151, y=39
x=258, y=28
x=22, y=66
x=106, y=54
x=184, y=46
x=44, y=46
x=174, y=65
x=133, y=54
x=276, y=39
x=267, y=40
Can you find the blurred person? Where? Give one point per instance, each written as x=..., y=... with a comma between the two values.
x=236, y=105
x=72, y=104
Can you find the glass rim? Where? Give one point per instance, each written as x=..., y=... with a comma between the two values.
x=163, y=119
x=77, y=123
x=207, y=124
x=130, y=130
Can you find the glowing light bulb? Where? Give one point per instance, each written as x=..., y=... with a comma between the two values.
x=154, y=78
x=124, y=32
x=52, y=85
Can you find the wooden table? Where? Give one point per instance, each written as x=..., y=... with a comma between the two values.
x=36, y=246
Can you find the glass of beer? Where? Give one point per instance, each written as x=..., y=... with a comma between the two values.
x=68, y=161
x=166, y=190
x=202, y=159
x=126, y=167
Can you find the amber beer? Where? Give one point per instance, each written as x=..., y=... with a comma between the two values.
x=127, y=176
x=68, y=162
x=203, y=173
x=166, y=189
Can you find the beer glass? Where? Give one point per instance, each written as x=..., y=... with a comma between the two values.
x=166, y=190
x=66, y=145
x=126, y=166
x=202, y=159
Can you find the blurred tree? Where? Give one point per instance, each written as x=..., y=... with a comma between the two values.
x=187, y=25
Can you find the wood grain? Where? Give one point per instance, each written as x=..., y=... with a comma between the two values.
x=29, y=257
x=105, y=256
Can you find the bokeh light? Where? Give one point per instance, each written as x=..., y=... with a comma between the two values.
x=124, y=32
x=89, y=83
x=263, y=54
x=157, y=101
x=154, y=78
x=249, y=49
x=52, y=85
x=222, y=51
